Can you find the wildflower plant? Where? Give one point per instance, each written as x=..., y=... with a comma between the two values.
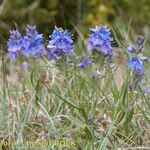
x=88, y=102
x=136, y=63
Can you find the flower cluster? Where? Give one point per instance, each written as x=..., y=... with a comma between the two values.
x=30, y=45
x=99, y=39
x=14, y=44
x=60, y=42
x=136, y=64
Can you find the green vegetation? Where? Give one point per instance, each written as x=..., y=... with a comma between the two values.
x=58, y=101
x=84, y=13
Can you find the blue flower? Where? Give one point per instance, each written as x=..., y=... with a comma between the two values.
x=131, y=48
x=14, y=44
x=60, y=42
x=100, y=40
x=33, y=42
x=85, y=62
x=136, y=64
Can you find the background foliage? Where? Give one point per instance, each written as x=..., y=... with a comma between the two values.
x=67, y=13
